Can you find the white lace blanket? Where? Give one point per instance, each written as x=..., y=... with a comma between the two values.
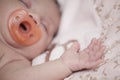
x=82, y=20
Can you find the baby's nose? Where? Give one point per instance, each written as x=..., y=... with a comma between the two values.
x=23, y=28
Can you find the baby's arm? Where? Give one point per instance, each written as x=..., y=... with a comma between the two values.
x=71, y=60
x=22, y=70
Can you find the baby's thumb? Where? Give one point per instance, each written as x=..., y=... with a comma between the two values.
x=75, y=47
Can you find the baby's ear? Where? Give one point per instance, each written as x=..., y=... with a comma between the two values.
x=23, y=28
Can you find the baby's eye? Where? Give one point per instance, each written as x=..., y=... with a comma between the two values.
x=27, y=3
x=44, y=26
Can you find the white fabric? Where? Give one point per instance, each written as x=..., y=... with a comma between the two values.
x=83, y=20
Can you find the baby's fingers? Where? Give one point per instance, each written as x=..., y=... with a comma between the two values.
x=99, y=54
x=94, y=46
x=91, y=45
x=101, y=51
x=75, y=47
x=97, y=45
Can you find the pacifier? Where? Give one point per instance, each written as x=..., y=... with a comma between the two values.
x=23, y=28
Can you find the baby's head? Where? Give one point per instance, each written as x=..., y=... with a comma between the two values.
x=28, y=26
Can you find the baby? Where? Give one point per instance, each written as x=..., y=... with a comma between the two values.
x=27, y=27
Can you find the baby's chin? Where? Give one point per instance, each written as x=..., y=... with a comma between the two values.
x=33, y=51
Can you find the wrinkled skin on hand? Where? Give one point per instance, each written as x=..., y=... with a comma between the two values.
x=88, y=58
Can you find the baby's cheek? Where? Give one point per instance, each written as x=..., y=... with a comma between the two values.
x=23, y=28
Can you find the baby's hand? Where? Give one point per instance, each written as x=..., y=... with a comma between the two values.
x=88, y=58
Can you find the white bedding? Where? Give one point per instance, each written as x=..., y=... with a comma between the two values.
x=83, y=20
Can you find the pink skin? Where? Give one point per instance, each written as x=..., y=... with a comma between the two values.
x=47, y=20
x=15, y=60
x=72, y=60
x=88, y=58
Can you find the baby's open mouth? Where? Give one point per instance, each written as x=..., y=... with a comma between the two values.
x=24, y=27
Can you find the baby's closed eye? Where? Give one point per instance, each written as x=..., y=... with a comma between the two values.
x=27, y=3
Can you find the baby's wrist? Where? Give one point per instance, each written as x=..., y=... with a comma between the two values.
x=65, y=66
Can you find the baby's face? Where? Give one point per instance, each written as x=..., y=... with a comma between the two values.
x=43, y=17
